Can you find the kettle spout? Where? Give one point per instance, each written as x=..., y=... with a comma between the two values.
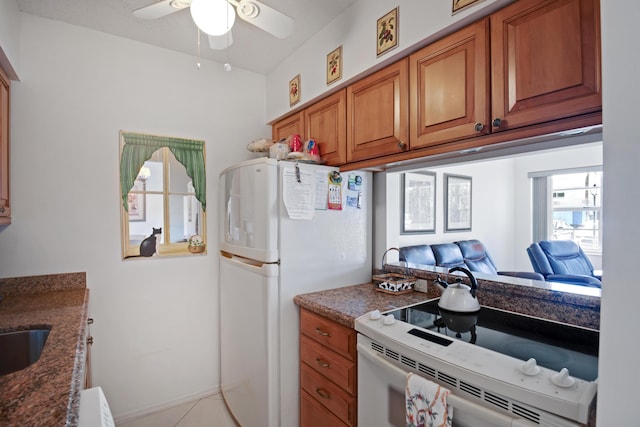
x=472, y=279
x=441, y=284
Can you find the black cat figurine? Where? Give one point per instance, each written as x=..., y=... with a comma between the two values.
x=149, y=246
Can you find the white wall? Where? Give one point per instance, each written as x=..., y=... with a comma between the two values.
x=619, y=351
x=9, y=38
x=155, y=330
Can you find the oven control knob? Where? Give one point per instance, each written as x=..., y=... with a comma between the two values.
x=562, y=379
x=375, y=315
x=530, y=367
x=389, y=319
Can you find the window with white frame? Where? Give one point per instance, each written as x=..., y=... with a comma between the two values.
x=567, y=205
x=163, y=195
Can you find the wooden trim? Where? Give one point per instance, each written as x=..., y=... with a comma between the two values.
x=516, y=137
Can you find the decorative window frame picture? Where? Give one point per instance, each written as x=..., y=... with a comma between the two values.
x=418, y=192
x=294, y=90
x=334, y=66
x=458, y=5
x=387, y=32
x=457, y=203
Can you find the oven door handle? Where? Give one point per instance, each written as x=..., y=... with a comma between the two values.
x=495, y=418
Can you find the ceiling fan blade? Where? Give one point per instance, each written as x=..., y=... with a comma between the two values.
x=264, y=17
x=220, y=42
x=160, y=9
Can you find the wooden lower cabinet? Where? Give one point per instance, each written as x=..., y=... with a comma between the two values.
x=328, y=372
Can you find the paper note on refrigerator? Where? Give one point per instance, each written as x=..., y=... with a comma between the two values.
x=298, y=193
x=322, y=190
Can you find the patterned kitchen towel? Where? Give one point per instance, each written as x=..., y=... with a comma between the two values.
x=426, y=403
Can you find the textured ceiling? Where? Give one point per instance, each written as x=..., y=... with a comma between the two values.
x=252, y=48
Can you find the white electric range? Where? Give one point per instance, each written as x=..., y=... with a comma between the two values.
x=503, y=369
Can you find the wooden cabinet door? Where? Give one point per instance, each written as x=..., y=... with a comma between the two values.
x=449, y=88
x=5, y=206
x=290, y=125
x=325, y=122
x=545, y=61
x=377, y=113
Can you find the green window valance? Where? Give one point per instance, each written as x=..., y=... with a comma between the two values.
x=138, y=148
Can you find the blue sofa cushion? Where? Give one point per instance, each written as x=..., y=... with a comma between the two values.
x=448, y=255
x=418, y=254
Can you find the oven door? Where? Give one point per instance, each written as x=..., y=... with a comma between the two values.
x=381, y=399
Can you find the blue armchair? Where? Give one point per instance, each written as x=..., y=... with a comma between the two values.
x=563, y=261
x=477, y=259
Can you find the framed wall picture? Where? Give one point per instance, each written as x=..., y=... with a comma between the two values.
x=387, y=32
x=418, y=202
x=457, y=203
x=137, y=202
x=334, y=66
x=458, y=5
x=294, y=90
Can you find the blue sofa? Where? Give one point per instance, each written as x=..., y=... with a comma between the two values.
x=470, y=254
x=563, y=261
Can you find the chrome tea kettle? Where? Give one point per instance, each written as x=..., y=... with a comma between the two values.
x=458, y=297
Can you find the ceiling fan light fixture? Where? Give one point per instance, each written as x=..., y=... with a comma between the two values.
x=214, y=17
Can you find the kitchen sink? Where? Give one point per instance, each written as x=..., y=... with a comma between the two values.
x=19, y=349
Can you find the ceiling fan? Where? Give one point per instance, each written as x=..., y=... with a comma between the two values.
x=252, y=11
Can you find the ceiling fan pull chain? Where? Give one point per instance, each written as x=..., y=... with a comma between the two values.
x=198, y=58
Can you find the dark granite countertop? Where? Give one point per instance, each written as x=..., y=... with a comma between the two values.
x=47, y=393
x=344, y=305
x=570, y=304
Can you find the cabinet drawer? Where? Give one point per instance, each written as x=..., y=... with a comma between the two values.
x=338, y=338
x=313, y=414
x=333, y=366
x=328, y=394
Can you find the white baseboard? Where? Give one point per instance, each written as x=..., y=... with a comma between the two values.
x=132, y=415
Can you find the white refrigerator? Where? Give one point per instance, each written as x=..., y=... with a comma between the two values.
x=286, y=228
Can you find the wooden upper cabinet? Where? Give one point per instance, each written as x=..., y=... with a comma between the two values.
x=325, y=122
x=377, y=113
x=449, y=87
x=290, y=125
x=5, y=205
x=545, y=61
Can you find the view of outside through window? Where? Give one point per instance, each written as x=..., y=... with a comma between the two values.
x=576, y=209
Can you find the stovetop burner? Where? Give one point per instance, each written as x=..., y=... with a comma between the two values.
x=553, y=345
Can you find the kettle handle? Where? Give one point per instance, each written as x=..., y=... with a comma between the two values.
x=472, y=279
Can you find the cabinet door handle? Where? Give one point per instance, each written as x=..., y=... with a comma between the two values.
x=401, y=145
x=323, y=333
x=323, y=363
x=323, y=393
x=497, y=122
x=478, y=127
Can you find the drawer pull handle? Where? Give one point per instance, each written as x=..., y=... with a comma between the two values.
x=323, y=393
x=323, y=363
x=323, y=333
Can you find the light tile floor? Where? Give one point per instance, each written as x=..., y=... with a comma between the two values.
x=207, y=412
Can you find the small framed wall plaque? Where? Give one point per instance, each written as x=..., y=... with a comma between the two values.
x=334, y=66
x=294, y=90
x=458, y=5
x=387, y=32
